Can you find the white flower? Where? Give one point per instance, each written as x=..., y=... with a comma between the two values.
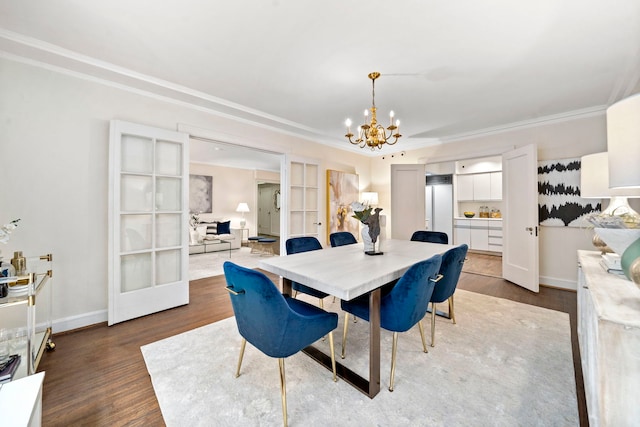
x=6, y=230
x=357, y=207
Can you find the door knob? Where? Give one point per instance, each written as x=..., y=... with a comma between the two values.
x=317, y=223
x=529, y=229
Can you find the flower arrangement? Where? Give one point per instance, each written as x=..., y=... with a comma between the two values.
x=6, y=230
x=194, y=220
x=361, y=211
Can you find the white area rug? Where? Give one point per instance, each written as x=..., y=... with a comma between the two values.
x=210, y=264
x=503, y=364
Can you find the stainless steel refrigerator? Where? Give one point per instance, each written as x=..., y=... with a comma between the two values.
x=439, y=204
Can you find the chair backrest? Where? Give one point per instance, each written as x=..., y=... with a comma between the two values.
x=261, y=312
x=296, y=245
x=452, y=262
x=430, y=236
x=341, y=238
x=407, y=302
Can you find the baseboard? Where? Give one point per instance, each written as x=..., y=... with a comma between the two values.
x=79, y=321
x=558, y=283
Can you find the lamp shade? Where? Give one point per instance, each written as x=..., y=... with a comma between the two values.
x=594, y=179
x=623, y=142
x=370, y=198
x=243, y=207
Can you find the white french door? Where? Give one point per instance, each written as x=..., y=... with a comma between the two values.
x=148, y=208
x=303, y=198
x=520, y=219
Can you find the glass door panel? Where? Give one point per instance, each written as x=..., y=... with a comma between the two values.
x=135, y=232
x=136, y=154
x=169, y=228
x=136, y=193
x=168, y=267
x=136, y=272
x=168, y=158
x=168, y=194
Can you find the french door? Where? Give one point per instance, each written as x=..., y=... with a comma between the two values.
x=303, y=199
x=148, y=208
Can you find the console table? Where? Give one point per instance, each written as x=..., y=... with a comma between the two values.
x=609, y=338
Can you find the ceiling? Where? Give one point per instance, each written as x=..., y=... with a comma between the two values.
x=450, y=70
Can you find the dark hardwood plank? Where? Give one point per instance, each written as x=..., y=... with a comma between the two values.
x=97, y=376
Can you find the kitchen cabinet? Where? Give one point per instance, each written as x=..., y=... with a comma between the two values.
x=480, y=186
x=478, y=234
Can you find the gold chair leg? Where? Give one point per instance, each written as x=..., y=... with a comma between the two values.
x=452, y=313
x=333, y=357
x=242, y=346
x=433, y=324
x=394, y=349
x=283, y=391
x=424, y=341
x=321, y=303
x=344, y=334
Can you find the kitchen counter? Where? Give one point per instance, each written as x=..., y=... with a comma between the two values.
x=475, y=218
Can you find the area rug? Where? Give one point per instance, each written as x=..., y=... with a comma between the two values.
x=503, y=364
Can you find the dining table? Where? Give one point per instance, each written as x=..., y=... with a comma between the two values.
x=347, y=272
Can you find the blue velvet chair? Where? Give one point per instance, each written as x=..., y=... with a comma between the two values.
x=450, y=269
x=341, y=238
x=403, y=307
x=296, y=245
x=430, y=236
x=275, y=324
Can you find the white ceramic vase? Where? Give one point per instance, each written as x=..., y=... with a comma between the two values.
x=366, y=239
x=193, y=237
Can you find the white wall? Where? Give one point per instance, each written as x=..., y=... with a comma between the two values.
x=54, y=132
x=575, y=138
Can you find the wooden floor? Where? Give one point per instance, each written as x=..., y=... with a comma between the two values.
x=97, y=376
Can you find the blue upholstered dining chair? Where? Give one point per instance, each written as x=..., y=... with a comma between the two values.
x=296, y=245
x=403, y=307
x=341, y=238
x=275, y=324
x=430, y=236
x=452, y=262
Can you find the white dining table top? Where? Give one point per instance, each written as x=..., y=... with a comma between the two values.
x=346, y=271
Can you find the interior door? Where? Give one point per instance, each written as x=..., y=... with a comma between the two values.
x=407, y=200
x=303, y=200
x=148, y=211
x=520, y=219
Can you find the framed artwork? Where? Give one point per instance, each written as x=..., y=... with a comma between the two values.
x=559, y=201
x=200, y=194
x=342, y=190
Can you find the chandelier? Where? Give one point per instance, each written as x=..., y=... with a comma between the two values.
x=372, y=134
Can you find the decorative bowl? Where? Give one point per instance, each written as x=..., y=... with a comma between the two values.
x=469, y=214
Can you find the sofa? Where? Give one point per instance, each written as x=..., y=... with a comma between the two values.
x=212, y=234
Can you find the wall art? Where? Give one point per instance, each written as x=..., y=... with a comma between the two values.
x=200, y=194
x=559, y=201
x=342, y=190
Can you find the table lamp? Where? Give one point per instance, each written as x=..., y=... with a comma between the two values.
x=243, y=207
x=623, y=146
x=370, y=198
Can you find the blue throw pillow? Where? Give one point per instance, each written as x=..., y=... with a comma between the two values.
x=224, y=227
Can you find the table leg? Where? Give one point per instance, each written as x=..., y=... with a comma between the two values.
x=286, y=287
x=374, y=342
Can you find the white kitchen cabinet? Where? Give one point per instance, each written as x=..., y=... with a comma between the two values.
x=465, y=187
x=479, y=186
x=496, y=186
x=478, y=234
x=462, y=232
x=482, y=186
